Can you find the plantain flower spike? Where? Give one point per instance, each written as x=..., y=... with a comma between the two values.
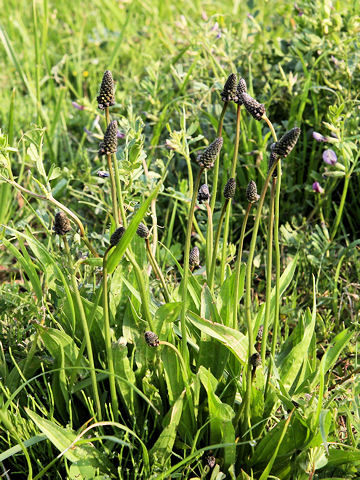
x=143, y=231
x=203, y=194
x=253, y=107
x=106, y=97
x=116, y=236
x=110, y=143
x=151, y=339
x=194, y=257
x=287, y=142
x=230, y=188
x=229, y=93
x=251, y=192
x=240, y=90
x=61, y=224
x=207, y=158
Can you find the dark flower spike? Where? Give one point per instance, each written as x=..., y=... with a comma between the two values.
x=203, y=194
x=116, y=236
x=240, y=90
x=106, y=96
x=287, y=142
x=151, y=339
x=211, y=461
x=110, y=143
x=253, y=107
x=61, y=224
x=255, y=360
x=143, y=231
x=230, y=188
x=194, y=257
x=251, y=192
x=229, y=92
x=273, y=157
x=207, y=158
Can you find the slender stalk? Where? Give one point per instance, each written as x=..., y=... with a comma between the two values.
x=217, y=161
x=185, y=352
x=109, y=355
x=277, y=263
x=268, y=273
x=209, y=239
x=248, y=277
x=157, y=270
x=228, y=211
x=115, y=208
x=238, y=264
x=341, y=207
x=142, y=289
x=85, y=329
x=62, y=207
x=216, y=243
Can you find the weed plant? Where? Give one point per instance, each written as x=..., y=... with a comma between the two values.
x=181, y=301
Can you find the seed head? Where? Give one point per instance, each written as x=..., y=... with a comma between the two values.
x=240, y=90
x=61, y=224
x=273, y=157
x=151, y=339
x=230, y=187
x=260, y=333
x=110, y=142
x=143, y=231
x=255, y=108
x=255, y=360
x=211, y=461
x=287, y=142
x=116, y=236
x=229, y=92
x=203, y=194
x=194, y=257
x=107, y=90
x=251, y=192
x=207, y=158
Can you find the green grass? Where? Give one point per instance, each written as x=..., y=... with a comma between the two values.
x=195, y=395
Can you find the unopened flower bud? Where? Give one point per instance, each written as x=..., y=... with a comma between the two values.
x=207, y=158
x=61, y=224
x=251, y=192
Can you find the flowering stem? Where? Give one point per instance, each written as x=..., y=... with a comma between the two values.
x=62, y=207
x=157, y=270
x=268, y=272
x=228, y=210
x=217, y=161
x=185, y=352
x=341, y=207
x=209, y=238
x=238, y=264
x=113, y=192
x=114, y=401
x=216, y=244
x=85, y=329
x=248, y=277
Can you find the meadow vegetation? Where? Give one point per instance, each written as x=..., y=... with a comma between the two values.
x=179, y=274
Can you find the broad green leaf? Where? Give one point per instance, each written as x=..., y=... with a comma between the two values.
x=342, y=457
x=162, y=449
x=65, y=441
x=235, y=341
x=120, y=249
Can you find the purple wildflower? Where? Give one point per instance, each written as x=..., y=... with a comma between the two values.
x=120, y=134
x=318, y=137
x=317, y=187
x=103, y=174
x=329, y=157
x=78, y=106
x=87, y=131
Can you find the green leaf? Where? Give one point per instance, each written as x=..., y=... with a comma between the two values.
x=235, y=341
x=17, y=448
x=120, y=249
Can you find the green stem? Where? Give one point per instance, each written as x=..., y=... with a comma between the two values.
x=119, y=191
x=85, y=329
x=217, y=161
x=238, y=264
x=228, y=211
x=341, y=207
x=142, y=290
x=185, y=352
x=62, y=207
x=109, y=354
x=248, y=277
x=268, y=273
x=115, y=208
x=209, y=238
x=157, y=271
x=216, y=243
